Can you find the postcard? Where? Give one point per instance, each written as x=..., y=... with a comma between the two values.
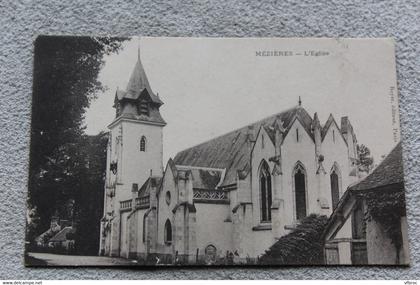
x=215, y=151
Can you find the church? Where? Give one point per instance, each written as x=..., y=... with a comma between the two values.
x=234, y=194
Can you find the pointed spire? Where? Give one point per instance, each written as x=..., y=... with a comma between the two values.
x=138, y=83
x=138, y=79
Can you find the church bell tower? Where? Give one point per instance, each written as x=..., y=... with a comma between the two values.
x=135, y=149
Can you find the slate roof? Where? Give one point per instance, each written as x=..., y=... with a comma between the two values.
x=145, y=188
x=204, y=178
x=231, y=152
x=389, y=171
x=137, y=84
x=154, y=116
x=62, y=235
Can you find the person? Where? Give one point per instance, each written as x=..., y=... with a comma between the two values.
x=230, y=258
x=236, y=258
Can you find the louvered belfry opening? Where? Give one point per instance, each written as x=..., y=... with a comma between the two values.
x=144, y=108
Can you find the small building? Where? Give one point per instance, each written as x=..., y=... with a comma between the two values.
x=63, y=240
x=373, y=212
x=56, y=225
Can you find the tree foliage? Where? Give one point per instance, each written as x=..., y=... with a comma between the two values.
x=65, y=82
x=365, y=162
x=387, y=208
x=302, y=246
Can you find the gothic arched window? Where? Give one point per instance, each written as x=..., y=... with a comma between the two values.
x=265, y=192
x=335, y=185
x=144, y=228
x=299, y=176
x=297, y=134
x=143, y=143
x=168, y=232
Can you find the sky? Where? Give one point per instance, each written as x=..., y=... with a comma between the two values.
x=212, y=86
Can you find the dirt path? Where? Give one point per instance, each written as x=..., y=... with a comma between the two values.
x=77, y=260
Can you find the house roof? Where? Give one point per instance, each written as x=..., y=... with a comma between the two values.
x=231, y=151
x=62, y=235
x=389, y=171
x=137, y=84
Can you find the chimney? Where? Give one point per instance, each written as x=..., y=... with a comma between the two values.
x=134, y=194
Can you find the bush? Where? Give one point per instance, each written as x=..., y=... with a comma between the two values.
x=302, y=246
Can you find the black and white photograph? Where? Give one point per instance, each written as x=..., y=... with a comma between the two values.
x=160, y=151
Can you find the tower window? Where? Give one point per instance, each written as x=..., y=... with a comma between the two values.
x=143, y=143
x=168, y=232
x=297, y=134
x=333, y=136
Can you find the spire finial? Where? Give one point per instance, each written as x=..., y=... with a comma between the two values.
x=300, y=101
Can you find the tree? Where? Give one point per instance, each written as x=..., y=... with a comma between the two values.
x=365, y=162
x=88, y=209
x=65, y=82
x=302, y=246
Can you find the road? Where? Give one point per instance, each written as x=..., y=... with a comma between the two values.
x=77, y=260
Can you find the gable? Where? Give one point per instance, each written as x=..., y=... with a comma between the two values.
x=290, y=133
x=333, y=134
x=264, y=139
x=331, y=123
x=170, y=172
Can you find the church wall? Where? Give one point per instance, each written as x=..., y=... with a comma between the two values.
x=136, y=165
x=213, y=229
x=124, y=234
x=137, y=245
x=292, y=152
x=164, y=211
x=334, y=149
x=115, y=156
x=263, y=149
